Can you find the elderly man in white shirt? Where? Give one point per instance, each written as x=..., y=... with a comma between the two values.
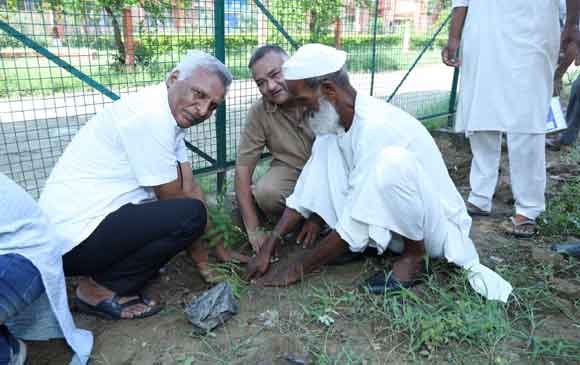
x=375, y=173
x=33, y=298
x=123, y=192
x=509, y=51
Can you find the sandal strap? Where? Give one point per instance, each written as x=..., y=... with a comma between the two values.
x=526, y=222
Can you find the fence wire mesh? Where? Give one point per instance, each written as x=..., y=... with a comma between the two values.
x=127, y=45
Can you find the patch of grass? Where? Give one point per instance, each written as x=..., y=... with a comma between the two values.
x=440, y=316
x=231, y=273
x=562, y=215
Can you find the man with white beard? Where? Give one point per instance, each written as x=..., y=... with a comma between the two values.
x=374, y=173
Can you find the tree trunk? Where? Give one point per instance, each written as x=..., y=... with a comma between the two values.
x=337, y=32
x=128, y=32
x=178, y=12
x=312, y=26
x=57, y=26
x=118, y=36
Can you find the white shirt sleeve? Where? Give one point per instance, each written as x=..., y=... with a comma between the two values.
x=180, y=149
x=460, y=3
x=149, y=144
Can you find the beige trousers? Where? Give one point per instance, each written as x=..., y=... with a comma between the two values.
x=272, y=189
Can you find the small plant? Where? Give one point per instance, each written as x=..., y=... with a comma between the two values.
x=562, y=215
x=223, y=228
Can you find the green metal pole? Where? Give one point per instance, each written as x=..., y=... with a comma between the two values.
x=276, y=24
x=374, y=57
x=453, y=98
x=427, y=47
x=220, y=120
x=11, y=31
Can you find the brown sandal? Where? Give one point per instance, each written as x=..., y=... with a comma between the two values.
x=475, y=211
x=520, y=229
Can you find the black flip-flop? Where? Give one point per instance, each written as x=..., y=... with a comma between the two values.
x=382, y=282
x=112, y=309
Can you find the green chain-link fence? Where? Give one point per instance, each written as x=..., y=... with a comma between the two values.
x=61, y=61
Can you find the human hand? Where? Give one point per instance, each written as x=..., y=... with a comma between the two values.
x=570, y=38
x=309, y=233
x=449, y=53
x=257, y=239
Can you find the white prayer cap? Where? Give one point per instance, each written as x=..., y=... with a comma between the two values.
x=313, y=60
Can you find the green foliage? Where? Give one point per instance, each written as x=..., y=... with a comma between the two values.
x=7, y=41
x=150, y=47
x=321, y=14
x=421, y=41
x=223, y=228
x=562, y=215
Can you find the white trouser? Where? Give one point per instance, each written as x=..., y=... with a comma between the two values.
x=527, y=162
x=398, y=196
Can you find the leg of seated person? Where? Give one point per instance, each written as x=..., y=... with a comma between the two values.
x=20, y=285
x=273, y=188
x=129, y=247
x=569, y=135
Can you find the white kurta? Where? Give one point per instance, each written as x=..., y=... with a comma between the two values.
x=509, y=51
x=387, y=175
x=25, y=230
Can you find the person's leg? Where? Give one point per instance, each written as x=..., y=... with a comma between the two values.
x=20, y=285
x=486, y=150
x=527, y=160
x=273, y=188
x=568, y=137
x=131, y=244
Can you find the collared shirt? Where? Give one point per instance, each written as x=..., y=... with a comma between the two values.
x=25, y=230
x=284, y=132
x=126, y=149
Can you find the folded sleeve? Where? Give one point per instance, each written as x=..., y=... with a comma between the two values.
x=460, y=3
x=180, y=149
x=150, y=147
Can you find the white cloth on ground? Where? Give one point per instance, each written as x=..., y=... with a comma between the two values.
x=25, y=230
x=130, y=146
x=346, y=178
x=509, y=51
x=527, y=162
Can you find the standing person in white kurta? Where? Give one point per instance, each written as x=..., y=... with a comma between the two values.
x=374, y=172
x=39, y=310
x=509, y=51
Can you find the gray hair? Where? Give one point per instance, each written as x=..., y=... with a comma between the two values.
x=339, y=77
x=197, y=59
x=262, y=51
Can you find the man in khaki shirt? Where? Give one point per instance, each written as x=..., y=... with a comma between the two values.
x=274, y=122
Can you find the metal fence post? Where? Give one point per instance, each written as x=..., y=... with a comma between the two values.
x=374, y=57
x=453, y=98
x=220, y=117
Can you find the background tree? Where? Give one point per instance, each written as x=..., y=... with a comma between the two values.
x=322, y=14
x=114, y=10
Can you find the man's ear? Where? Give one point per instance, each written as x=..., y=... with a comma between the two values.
x=173, y=76
x=328, y=89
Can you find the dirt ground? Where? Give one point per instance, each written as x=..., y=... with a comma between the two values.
x=277, y=326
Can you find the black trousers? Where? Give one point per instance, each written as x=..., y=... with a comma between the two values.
x=131, y=244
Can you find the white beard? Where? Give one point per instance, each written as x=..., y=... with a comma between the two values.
x=326, y=120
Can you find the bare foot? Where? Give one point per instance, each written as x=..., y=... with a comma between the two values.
x=225, y=255
x=92, y=293
x=407, y=268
